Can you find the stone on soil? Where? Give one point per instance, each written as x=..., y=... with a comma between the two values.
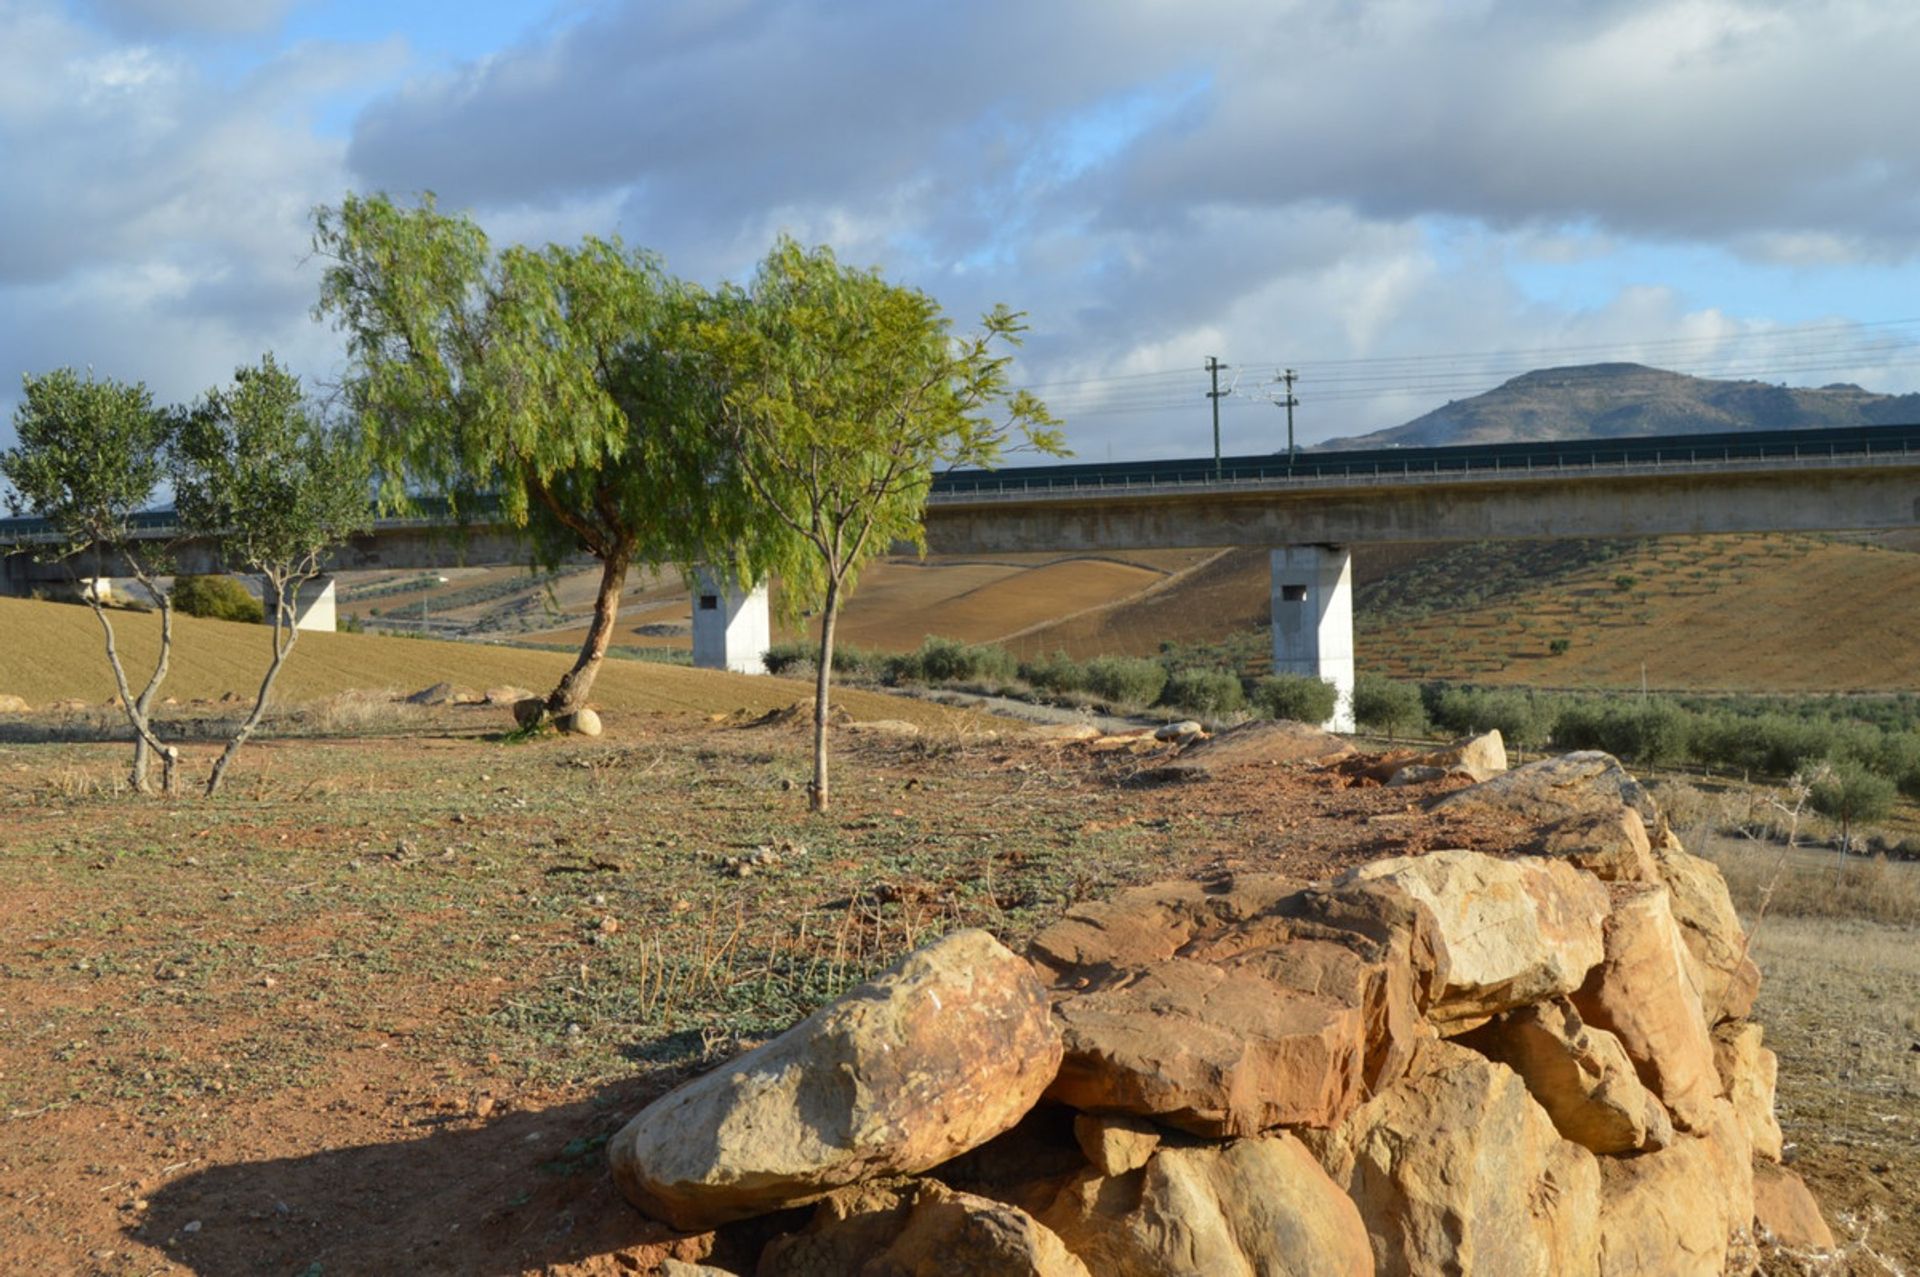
x=1579, y=1074
x=1551, y=790
x=1748, y=1072
x=918, y=1229
x=1786, y=1210
x=1681, y=1211
x=1455, y=1169
x=1514, y=931
x=1716, y=944
x=1252, y=1206
x=945, y=1050
x=582, y=722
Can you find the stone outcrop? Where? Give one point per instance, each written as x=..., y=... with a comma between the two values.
x=1455, y=1169
x=11, y=704
x=1259, y=1205
x=1785, y=1212
x=918, y=1228
x=1748, y=1071
x=582, y=722
x=1478, y=758
x=1514, y=931
x=1644, y=995
x=529, y=711
x=944, y=1051
x=1579, y=1074
x=1444, y=1063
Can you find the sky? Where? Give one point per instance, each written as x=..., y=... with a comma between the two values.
x=1403, y=200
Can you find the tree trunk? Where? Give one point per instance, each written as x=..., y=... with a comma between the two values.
x=571, y=694
x=145, y=743
x=823, y=677
x=283, y=623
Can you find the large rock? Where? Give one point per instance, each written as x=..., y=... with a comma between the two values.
x=1254, y=1206
x=1455, y=1169
x=942, y=1052
x=1643, y=994
x=528, y=711
x=582, y=722
x=1786, y=1211
x=1748, y=1072
x=1515, y=931
x=1553, y=789
x=11, y=704
x=1683, y=1211
x=918, y=1229
x=1611, y=844
x=1579, y=1074
x=1268, y=743
x=1716, y=944
x=438, y=694
x=1114, y=1143
x=1478, y=757
x=1228, y=1008
x=506, y=695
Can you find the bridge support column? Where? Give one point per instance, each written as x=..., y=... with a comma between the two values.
x=315, y=607
x=1313, y=620
x=731, y=627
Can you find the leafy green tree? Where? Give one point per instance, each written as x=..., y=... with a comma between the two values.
x=1852, y=795
x=1300, y=698
x=841, y=395
x=260, y=474
x=216, y=598
x=551, y=388
x=1387, y=706
x=90, y=455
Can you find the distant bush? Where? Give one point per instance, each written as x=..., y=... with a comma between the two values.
x=1297, y=697
x=944, y=660
x=1390, y=708
x=1523, y=719
x=1058, y=673
x=1853, y=796
x=795, y=658
x=218, y=598
x=1204, y=692
x=1126, y=680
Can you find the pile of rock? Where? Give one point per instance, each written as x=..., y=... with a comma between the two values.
x=1442, y=1063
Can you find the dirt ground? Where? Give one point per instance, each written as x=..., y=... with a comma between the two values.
x=378, y=1008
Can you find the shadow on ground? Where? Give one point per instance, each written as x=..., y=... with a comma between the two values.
x=525, y=1191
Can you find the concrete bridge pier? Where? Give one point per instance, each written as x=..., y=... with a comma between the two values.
x=1313, y=620
x=731, y=626
x=315, y=607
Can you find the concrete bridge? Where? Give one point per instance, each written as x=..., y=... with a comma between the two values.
x=1309, y=509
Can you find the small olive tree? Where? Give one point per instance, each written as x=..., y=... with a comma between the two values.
x=261, y=475
x=1852, y=795
x=89, y=457
x=841, y=394
x=552, y=384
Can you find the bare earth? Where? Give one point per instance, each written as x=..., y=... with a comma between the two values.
x=377, y=1009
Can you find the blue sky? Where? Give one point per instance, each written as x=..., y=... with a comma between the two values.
x=1323, y=184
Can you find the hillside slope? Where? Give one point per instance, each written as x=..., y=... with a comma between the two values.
x=1604, y=401
x=53, y=651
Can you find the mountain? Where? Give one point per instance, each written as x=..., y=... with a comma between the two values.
x=1601, y=401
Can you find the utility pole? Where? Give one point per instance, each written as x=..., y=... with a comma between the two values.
x=1214, y=368
x=1289, y=403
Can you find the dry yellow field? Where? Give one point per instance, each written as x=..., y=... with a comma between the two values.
x=53, y=651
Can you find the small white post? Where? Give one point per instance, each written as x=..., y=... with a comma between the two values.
x=731, y=626
x=1313, y=620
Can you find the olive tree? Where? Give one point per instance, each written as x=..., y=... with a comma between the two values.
x=841, y=395
x=89, y=457
x=269, y=482
x=547, y=387
x=1852, y=795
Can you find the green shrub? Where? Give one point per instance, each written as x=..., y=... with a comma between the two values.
x=1208, y=693
x=1851, y=795
x=1126, y=680
x=1297, y=697
x=218, y=598
x=1523, y=719
x=944, y=660
x=1382, y=705
x=1056, y=673
x=792, y=657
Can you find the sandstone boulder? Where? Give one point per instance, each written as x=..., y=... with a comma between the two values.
x=582, y=722
x=529, y=710
x=11, y=704
x=1478, y=757
x=1514, y=931
x=1210, y=1049
x=1785, y=1209
x=1553, y=789
x=1748, y=1072
x=1115, y=1144
x=438, y=694
x=1580, y=1075
x=1269, y=742
x=1682, y=1211
x=1716, y=943
x=1455, y=1169
x=1644, y=995
x=671, y=1267
x=1184, y=732
x=506, y=695
x=1100, y=940
x=1254, y=1206
x=945, y=1050
x=918, y=1229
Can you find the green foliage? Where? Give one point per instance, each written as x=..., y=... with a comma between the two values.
x=1208, y=693
x=1296, y=697
x=1559, y=646
x=944, y=660
x=1059, y=674
x=1524, y=720
x=218, y=598
x=1852, y=795
x=1390, y=708
x=89, y=457
x=1126, y=680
